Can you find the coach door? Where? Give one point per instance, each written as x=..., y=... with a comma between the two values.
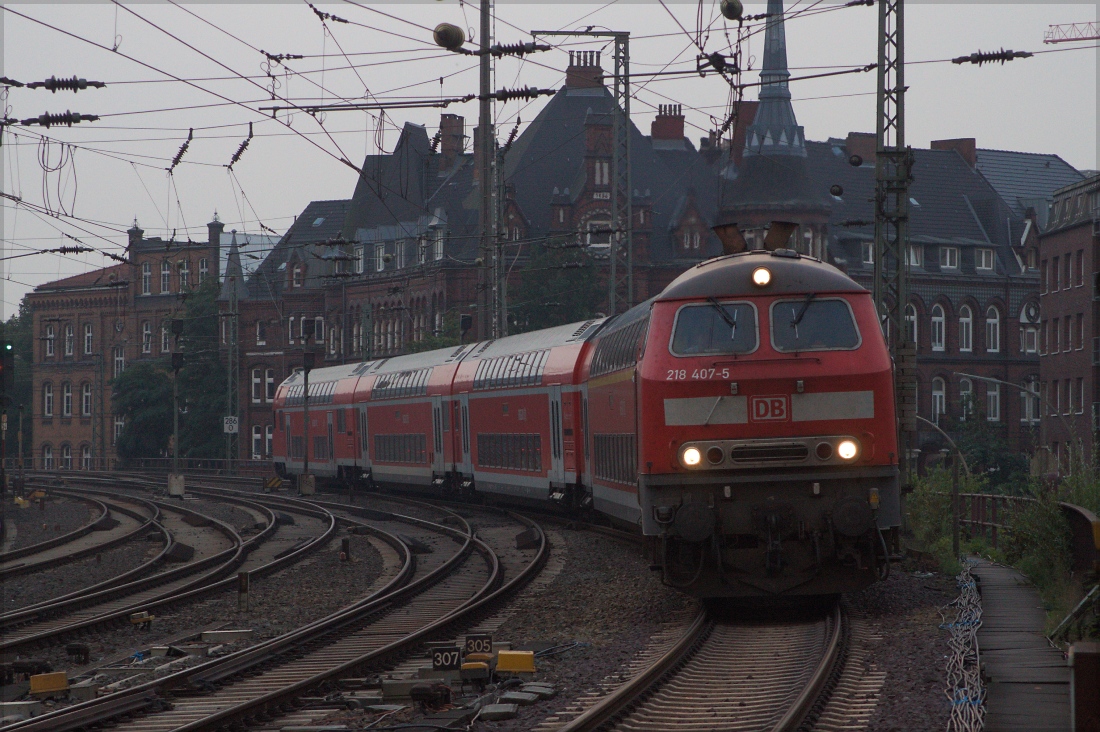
x=364, y=453
x=557, y=471
x=437, y=435
x=466, y=464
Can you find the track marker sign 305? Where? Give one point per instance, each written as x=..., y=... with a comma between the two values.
x=481, y=643
x=229, y=425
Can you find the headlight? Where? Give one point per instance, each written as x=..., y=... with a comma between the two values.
x=761, y=276
x=847, y=450
x=691, y=457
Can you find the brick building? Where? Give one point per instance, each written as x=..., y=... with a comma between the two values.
x=1069, y=286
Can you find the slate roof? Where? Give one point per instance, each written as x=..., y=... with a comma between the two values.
x=1022, y=178
x=97, y=277
x=320, y=221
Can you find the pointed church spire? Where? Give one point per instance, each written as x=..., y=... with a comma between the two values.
x=234, y=273
x=775, y=118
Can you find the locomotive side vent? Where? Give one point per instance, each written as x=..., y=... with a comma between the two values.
x=774, y=452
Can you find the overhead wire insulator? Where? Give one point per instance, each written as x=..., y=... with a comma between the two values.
x=527, y=92
x=280, y=57
x=67, y=118
x=241, y=149
x=183, y=149
x=72, y=84
x=71, y=250
x=5, y=81
x=516, y=49
x=325, y=16
x=988, y=57
x=512, y=135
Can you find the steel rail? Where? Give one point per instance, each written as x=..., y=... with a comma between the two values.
x=42, y=546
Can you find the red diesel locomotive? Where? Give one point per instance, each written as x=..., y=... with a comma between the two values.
x=743, y=418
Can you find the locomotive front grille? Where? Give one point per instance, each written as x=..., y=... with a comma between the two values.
x=786, y=452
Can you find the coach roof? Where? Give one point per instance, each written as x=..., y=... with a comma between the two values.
x=732, y=275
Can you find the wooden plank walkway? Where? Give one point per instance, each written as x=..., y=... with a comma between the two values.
x=1028, y=686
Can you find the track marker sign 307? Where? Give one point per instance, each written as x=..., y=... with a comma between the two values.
x=446, y=659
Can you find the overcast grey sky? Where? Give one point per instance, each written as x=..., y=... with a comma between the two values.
x=115, y=170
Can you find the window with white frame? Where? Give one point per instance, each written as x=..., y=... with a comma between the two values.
x=399, y=250
x=86, y=457
x=204, y=269
x=47, y=457
x=66, y=399
x=165, y=277
x=983, y=259
x=269, y=384
x=50, y=341
x=1069, y=270
x=1080, y=331
x=1080, y=395
x=867, y=250
x=146, y=337
x=89, y=341
x=379, y=257
x=70, y=340
x=257, y=442
x=1029, y=401
x=261, y=333
x=146, y=278
x=915, y=253
x=993, y=402
x=1067, y=342
x=47, y=400
x=937, y=328
x=319, y=329
x=359, y=266
x=939, y=396
x=911, y=322
x=257, y=385
x=119, y=360
x=185, y=274
x=949, y=257
x=966, y=398
x=66, y=457
x=993, y=330
x=120, y=425
x=1067, y=403
x=86, y=400
x=165, y=341
x=269, y=440
x=602, y=172
x=437, y=244
x=966, y=329
x=297, y=276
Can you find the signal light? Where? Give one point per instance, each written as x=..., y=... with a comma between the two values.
x=847, y=450
x=761, y=277
x=691, y=457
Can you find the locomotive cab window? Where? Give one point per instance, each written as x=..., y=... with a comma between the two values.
x=813, y=324
x=715, y=328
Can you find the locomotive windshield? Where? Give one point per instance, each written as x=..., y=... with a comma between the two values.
x=810, y=324
x=714, y=327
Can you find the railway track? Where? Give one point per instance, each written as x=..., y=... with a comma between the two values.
x=431, y=594
x=728, y=677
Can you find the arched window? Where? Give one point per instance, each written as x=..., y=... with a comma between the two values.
x=966, y=329
x=86, y=400
x=66, y=457
x=939, y=397
x=992, y=330
x=911, y=322
x=66, y=399
x=70, y=340
x=966, y=398
x=88, y=340
x=47, y=400
x=86, y=457
x=146, y=337
x=47, y=457
x=937, y=328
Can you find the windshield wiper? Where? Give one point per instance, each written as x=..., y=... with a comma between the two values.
x=731, y=322
x=803, y=309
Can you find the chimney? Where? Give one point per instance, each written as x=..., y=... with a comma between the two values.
x=452, y=139
x=965, y=146
x=135, y=233
x=584, y=70
x=214, y=239
x=863, y=144
x=669, y=123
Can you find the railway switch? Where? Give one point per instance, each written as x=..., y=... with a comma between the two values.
x=516, y=662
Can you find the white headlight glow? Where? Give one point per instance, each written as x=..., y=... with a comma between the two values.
x=847, y=450
x=761, y=277
x=691, y=457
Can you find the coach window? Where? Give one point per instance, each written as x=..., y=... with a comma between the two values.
x=811, y=324
x=715, y=328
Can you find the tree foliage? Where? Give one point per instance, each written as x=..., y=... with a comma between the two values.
x=142, y=394
x=448, y=337
x=20, y=330
x=558, y=286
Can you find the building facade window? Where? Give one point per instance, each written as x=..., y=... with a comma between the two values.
x=47, y=457
x=290, y=330
x=165, y=277
x=1080, y=268
x=50, y=341
x=70, y=340
x=269, y=440
x=269, y=382
x=1068, y=340
x=204, y=269
x=119, y=360
x=966, y=329
x=319, y=329
x=379, y=257
x=86, y=457
x=146, y=278
x=185, y=274
x=1044, y=282
x=1029, y=401
x=47, y=400
x=257, y=442
x=261, y=333
x=949, y=257
x=983, y=259
x=1080, y=331
x=257, y=385
x=1080, y=395
x=993, y=402
x=146, y=337
x=939, y=396
x=66, y=457
x=89, y=340
x=916, y=255
x=296, y=277
x=993, y=330
x=966, y=399
x=165, y=342
x=1056, y=268
x=86, y=400
x=437, y=244
x=937, y=328
x=66, y=399
x=120, y=425
x=867, y=249
x=911, y=322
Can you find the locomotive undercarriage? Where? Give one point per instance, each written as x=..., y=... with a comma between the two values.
x=731, y=536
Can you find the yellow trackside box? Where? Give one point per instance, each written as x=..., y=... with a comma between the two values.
x=516, y=662
x=49, y=683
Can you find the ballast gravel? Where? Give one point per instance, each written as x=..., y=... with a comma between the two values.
x=23, y=590
x=59, y=516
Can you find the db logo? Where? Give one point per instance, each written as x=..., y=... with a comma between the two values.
x=770, y=408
